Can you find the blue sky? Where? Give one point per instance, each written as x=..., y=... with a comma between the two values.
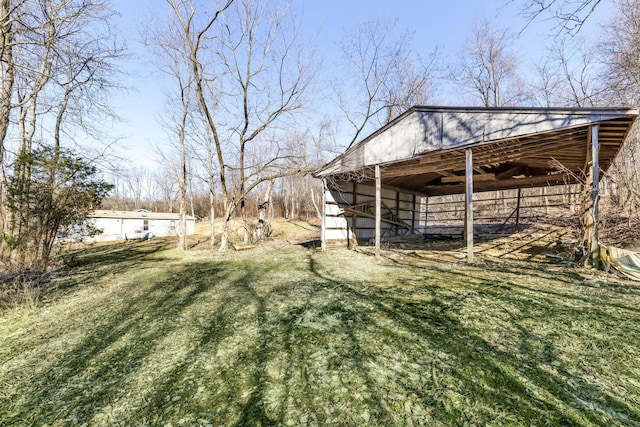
x=444, y=24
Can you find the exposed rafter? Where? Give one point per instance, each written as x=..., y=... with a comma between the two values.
x=423, y=151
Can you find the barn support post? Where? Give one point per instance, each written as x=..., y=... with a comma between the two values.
x=517, y=227
x=378, y=210
x=354, y=218
x=323, y=224
x=426, y=213
x=595, y=197
x=413, y=214
x=468, y=205
x=545, y=200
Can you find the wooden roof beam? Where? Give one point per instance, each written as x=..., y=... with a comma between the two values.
x=534, y=181
x=476, y=177
x=509, y=172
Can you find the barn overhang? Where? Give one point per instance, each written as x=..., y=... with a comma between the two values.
x=371, y=189
x=423, y=150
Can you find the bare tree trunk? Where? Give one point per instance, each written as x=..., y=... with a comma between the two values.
x=8, y=79
x=193, y=211
x=294, y=212
x=545, y=200
x=264, y=223
x=224, y=237
x=182, y=235
x=245, y=231
x=315, y=204
x=250, y=50
x=182, y=176
x=212, y=219
x=212, y=189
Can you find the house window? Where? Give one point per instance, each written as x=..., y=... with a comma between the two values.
x=145, y=225
x=172, y=225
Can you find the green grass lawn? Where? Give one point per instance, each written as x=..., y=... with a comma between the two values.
x=140, y=334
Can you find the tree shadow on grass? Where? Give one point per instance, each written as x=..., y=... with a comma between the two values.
x=87, y=375
x=539, y=369
x=120, y=252
x=240, y=342
x=532, y=275
x=91, y=264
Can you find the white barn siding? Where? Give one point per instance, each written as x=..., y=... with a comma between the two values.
x=345, y=229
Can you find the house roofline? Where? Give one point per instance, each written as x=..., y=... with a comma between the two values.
x=111, y=214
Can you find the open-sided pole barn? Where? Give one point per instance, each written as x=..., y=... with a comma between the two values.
x=376, y=186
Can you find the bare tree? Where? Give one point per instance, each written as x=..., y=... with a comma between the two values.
x=166, y=188
x=617, y=79
x=546, y=84
x=204, y=156
x=384, y=78
x=621, y=50
x=170, y=48
x=570, y=15
x=487, y=72
x=299, y=192
x=569, y=76
x=8, y=70
x=621, y=75
x=57, y=62
x=487, y=68
x=249, y=76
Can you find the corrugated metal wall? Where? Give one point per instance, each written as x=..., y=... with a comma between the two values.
x=346, y=229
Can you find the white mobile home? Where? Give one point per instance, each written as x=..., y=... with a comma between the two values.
x=119, y=225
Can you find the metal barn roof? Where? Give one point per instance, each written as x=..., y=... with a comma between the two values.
x=423, y=150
